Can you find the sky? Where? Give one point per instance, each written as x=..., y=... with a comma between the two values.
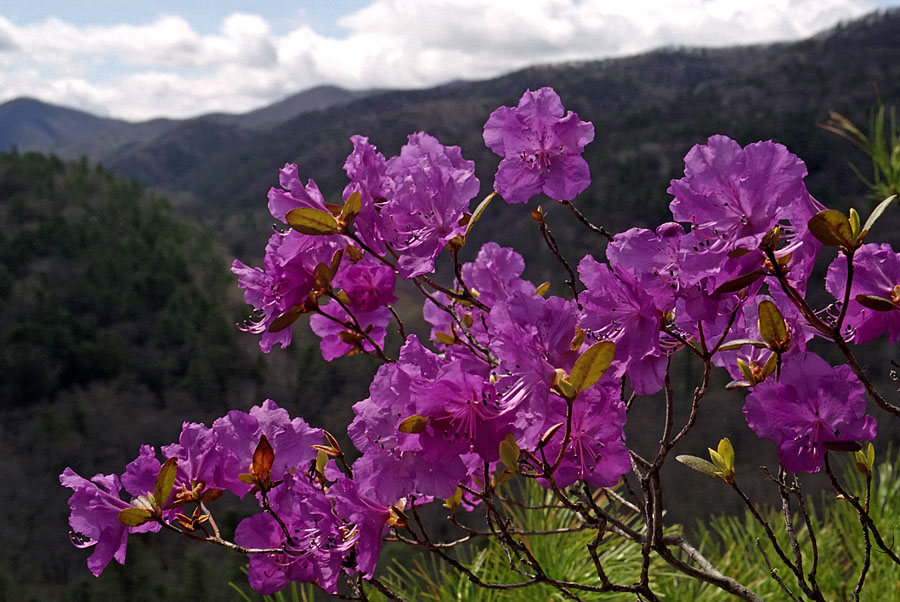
x=139, y=60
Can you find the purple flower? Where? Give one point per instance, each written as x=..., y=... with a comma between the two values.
x=811, y=405
x=367, y=170
x=464, y=411
x=532, y=337
x=238, y=434
x=733, y=196
x=366, y=517
x=618, y=308
x=94, y=518
x=340, y=337
x=319, y=540
x=293, y=193
x=369, y=286
x=541, y=148
x=430, y=186
x=877, y=273
x=596, y=451
x=283, y=283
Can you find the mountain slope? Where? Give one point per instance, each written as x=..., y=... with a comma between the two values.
x=30, y=124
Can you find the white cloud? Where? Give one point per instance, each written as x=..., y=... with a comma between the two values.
x=167, y=68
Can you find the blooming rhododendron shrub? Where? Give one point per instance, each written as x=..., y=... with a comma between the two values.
x=514, y=383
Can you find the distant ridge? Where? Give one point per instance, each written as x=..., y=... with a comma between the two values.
x=28, y=124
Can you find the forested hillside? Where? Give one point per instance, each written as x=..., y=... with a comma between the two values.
x=117, y=323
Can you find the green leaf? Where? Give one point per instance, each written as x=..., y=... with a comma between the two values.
x=870, y=454
x=134, y=517
x=831, y=228
x=875, y=302
x=854, y=222
x=165, y=480
x=700, y=465
x=772, y=328
x=502, y=476
x=717, y=459
x=738, y=343
x=284, y=320
x=509, y=453
x=307, y=220
x=592, y=365
x=876, y=213
x=745, y=369
x=248, y=478
x=542, y=289
x=741, y=282
x=726, y=451
x=414, y=424
x=454, y=501
x=566, y=389
x=352, y=207
x=738, y=384
x=770, y=365
x=479, y=211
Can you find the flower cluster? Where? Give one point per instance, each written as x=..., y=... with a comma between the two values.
x=512, y=380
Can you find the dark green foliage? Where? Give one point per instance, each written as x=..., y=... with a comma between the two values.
x=103, y=282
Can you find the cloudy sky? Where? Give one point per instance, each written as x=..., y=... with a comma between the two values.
x=138, y=60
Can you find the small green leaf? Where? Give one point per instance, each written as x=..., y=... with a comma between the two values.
x=134, y=517
x=454, y=501
x=566, y=389
x=854, y=222
x=831, y=228
x=592, y=365
x=502, y=476
x=738, y=384
x=770, y=365
x=717, y=459
x=352, y=207
x=578, y=341
x=287, y=318
x=479, y=211
x=876, y=213
x=772, y=328
x=726, y=451
x=741, y=282
x=509, y=453
x=307, y=220
x=700, y=465
x=444, y=338
x=875, y=302
x=248, y=478
x=745, y=369
x=414, y=424
x=542, y=289
x=165, y=480
x=738, y=343
x=870, y=454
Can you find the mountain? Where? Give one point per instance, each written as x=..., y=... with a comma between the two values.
x=314, y=99
x=29, y=124
x=32, y=125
